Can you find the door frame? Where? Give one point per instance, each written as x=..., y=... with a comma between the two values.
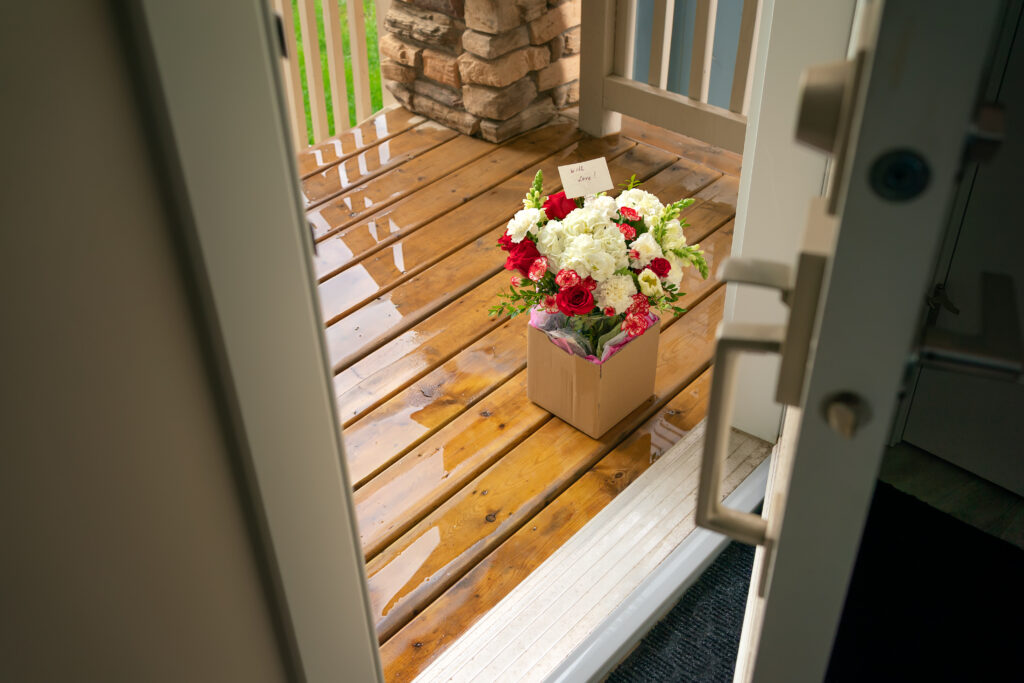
x=210, y=74
x=778, y=179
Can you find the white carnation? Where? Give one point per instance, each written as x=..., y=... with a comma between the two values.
x=643, y=202
x=650, y=285
x=647, y=249
x=586, y=256
x=583, y=221
x=551, y=243
x=524, y=221
x=603, y=205
x=615, y=292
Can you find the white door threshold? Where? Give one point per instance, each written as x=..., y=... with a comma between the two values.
x=581, y=611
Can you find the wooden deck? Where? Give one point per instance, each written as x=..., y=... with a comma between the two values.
x=462, y=486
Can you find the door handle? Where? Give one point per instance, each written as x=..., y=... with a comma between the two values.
x=800, y=289
x=733, y=339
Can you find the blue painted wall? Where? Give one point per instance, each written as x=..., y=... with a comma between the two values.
x=723, y=60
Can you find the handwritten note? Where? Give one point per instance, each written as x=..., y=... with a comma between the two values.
x=586, y=177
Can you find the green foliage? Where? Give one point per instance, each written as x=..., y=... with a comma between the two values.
x=631, y=183
x=519, y=300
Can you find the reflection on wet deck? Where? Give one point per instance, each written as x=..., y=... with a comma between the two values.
x=462, y=485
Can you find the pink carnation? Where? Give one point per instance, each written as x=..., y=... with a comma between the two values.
x=634, y=325
x=567, y=278
x=516, y=281
x=538, y=268
x=550, y=304
x=627, y=230
x=629, y=214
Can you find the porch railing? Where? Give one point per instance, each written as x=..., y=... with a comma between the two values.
x=609, y=38
x=311, y=91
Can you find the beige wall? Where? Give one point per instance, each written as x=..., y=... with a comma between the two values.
x=125, y=555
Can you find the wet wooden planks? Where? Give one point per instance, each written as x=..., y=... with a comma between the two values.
x=462, y=485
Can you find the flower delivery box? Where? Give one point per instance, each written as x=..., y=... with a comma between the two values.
x=590, y=394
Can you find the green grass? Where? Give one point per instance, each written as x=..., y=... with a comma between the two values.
x=369, y=14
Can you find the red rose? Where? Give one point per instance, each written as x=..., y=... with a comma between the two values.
x=558, y=206
x=575, y=300
x=521, y=256
x=505, y=242
x=610, y=312
x=660, y=266
x=629, y=214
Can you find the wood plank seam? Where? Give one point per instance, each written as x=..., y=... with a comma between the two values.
x=380, y=208
x=435, y=142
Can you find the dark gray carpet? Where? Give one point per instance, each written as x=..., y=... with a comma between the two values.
x=931, y=599
x=697, y=640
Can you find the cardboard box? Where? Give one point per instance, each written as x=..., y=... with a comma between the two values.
x=592, y=398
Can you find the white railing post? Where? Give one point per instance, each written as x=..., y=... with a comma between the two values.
x=292, y=77
x=360, y=58
x=742, y=77
x=314, y=75
x=336, y=65
x=661, y=43
x=598, y=49
x=703, y=48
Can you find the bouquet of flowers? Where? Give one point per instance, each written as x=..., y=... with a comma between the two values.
x=592, y=269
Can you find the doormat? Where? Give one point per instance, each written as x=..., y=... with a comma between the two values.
x=931, y=599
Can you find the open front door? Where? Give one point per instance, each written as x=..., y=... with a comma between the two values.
x=896, y=118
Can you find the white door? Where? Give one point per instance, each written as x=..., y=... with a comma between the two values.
x=895, y=119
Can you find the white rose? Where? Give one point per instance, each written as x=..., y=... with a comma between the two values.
x=650, y=285
x=615, y=292
x=647, y=249
x=521, y=223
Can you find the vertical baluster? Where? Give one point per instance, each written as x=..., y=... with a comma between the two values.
x=314, y=76
x=336, y=65
x=360, y=58
x=625, y=37
x=745, y=51
x=597, y=34
x=292, y=77
x=382, y=7
x=661, y=43
x=703, y=47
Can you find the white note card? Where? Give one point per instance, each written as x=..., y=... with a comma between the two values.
x=586, y=177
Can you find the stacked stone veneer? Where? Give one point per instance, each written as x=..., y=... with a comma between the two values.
x=491, y=68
